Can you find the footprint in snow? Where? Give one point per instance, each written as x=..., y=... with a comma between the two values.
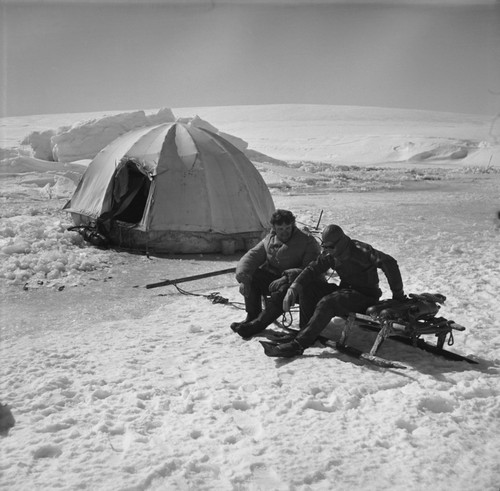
x=436, y=404
x=55, y=427
x=47, y=452
x=241, y=405
x=264, y=477
x=248, y=425
x=101, y=394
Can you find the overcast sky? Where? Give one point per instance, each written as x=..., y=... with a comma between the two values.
x=76, y=56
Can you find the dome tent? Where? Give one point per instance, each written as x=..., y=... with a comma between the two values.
x=173, y=188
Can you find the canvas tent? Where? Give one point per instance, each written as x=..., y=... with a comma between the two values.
x=173, y=188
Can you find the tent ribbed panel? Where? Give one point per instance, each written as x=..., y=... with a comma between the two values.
x=227, y=192
x=221, y=189
x=244, y=186
x=180, y=201
x=148, y=147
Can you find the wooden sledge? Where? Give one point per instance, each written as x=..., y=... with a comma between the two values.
x=404, y=322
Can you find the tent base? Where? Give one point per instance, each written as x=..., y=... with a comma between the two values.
x=181, y=242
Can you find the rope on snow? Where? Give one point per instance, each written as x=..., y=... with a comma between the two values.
x=216, y=297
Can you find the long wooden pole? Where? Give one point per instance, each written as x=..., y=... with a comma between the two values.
x=190, y=278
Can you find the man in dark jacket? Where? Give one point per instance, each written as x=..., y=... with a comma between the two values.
x=269, y=268
x=356, y=264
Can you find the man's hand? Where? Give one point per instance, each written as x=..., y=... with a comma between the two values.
x=290, y=298
x=245, y=289
x=276, y=285
x=399, y=296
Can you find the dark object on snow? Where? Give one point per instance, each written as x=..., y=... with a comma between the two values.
x=7, y=420
x=91, y=235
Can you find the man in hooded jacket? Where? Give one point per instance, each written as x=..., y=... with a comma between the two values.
x=269, y=268
x=356, y=264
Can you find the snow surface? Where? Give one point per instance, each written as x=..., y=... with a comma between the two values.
x=117, y=387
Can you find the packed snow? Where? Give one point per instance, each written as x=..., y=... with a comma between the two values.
x=115, y=386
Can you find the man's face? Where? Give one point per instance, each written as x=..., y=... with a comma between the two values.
x=337, y=249
x=284, y=231
x=328, y=248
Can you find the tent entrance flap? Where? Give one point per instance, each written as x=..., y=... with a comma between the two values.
x=130, y=193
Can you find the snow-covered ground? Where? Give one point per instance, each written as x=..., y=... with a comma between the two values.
x=117, y=387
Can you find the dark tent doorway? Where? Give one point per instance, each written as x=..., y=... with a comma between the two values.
x=130, y=192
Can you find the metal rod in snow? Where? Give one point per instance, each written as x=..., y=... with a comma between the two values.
x=319, y=220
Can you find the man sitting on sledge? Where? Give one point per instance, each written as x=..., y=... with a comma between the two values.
x=269, y=268
x=356, y=264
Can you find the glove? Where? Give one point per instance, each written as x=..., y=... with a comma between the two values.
x=399, y=296
x=290, y=298
x=276, y=285
x=245, y=289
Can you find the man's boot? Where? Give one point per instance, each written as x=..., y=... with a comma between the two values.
x=267, y=317
x=235, y=325
x=253, y=307
x=283, y=350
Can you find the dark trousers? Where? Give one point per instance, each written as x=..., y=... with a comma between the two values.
x=259, y=287
x=320, y=302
